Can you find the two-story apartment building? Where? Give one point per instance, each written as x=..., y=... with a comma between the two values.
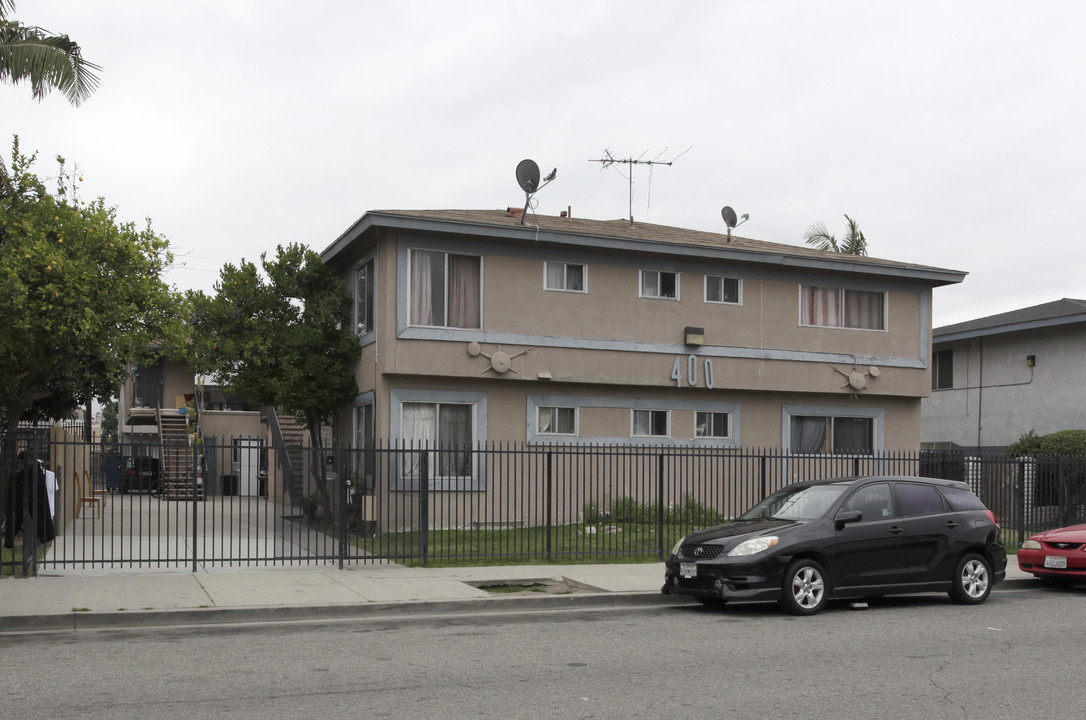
x=477, y=328
x=996, y=378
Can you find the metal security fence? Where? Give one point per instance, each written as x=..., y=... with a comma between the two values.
x=243, y=501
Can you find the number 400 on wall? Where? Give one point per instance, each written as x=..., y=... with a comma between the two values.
x=691, y=371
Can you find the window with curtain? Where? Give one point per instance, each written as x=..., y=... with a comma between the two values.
x=363, y=455
x=712, y=424
x=363, y=298
x=650, y=423
x=816, y=435
x=446, y=289
x=444, y=432
x=557, y=421
x=659, y=284
x=564, y=276
x=721, y=289
x=838, y=307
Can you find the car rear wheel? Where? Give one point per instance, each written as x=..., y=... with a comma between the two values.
x=804, y=590
x=972, y=580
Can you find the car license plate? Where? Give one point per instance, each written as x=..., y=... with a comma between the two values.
x=1056, y=561
x=688, y=570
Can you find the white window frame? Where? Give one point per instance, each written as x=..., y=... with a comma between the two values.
x=557, y=408
x=565, y=277
x=738, y=290
x=370, y=264
x=712, y=424
x=659, y=278
x=841, y=301
x=633, y=423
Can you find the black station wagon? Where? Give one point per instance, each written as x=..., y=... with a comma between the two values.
x=845, y=538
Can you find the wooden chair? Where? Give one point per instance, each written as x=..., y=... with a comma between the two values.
x=95, y=492
x=88, y=495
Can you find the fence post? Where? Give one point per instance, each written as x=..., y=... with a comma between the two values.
x=195, y=488
x=660, y=507
x=1020, y=502
x=424, y=507
x=761, y=474
x=342, y=475
x=550, y=508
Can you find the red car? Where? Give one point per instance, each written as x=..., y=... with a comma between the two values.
x=1055, y=554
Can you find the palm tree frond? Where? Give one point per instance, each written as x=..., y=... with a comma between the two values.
x=32, y=55
x=818, y=236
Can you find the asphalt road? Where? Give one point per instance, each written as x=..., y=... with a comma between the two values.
x=1018, y=656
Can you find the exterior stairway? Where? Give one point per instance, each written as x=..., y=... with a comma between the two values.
x=294, y=439
x=177, y=480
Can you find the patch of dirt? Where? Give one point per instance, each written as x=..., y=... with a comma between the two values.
x=535, y=586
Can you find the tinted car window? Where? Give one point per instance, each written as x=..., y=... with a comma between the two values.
x=804, y=503
x=919, y=499
x=874, y=501
x=962, y=499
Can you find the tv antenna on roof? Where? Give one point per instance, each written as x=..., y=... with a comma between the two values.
x=612, y=160
x=731, y=220
x=528, y=179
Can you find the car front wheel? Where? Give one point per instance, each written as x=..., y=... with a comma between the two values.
x=972, y=580
x=804, y=590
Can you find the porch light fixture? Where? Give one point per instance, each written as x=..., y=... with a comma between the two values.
x=694, y=336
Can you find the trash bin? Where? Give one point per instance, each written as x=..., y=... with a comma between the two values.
x=229, y=484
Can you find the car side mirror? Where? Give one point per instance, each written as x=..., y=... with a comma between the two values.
x=848, y=516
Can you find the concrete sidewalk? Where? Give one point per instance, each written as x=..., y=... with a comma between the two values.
x=154, y=597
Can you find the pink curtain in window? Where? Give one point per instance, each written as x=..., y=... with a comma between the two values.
x=464, y=291
x=820, y=306
x=863, y=310
x=422, y=311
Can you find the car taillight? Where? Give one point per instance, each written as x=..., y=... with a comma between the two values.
x=992, y=517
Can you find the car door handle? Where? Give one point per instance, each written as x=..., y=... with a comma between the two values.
x=951, y=524
x=896, y=529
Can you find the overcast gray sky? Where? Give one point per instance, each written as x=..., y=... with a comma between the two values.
x=952, y=131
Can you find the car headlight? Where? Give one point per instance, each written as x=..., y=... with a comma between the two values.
x=679, y=544
x=1031, y=545
x=753, y=546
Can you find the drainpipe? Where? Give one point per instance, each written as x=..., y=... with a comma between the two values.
x=980, y=388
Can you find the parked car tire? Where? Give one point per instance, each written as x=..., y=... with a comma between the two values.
x=972, y=580
x=805, y=589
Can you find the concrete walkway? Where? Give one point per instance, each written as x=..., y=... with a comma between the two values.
x=142, y=598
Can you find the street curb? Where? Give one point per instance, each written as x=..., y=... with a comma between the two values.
x=369, y=611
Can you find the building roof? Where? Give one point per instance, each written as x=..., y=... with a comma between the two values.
x=1058, y=312
x=622, y=235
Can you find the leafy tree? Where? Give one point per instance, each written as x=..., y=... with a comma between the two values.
x=82, y=296
x=1060, y=473
x=45, y=60
x=278, y=335
x=110, y=425
x=853, y=243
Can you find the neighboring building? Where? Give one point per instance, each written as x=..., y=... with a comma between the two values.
x=477, y=328
x=996, y=378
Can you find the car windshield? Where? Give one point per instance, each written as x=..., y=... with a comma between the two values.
x=804, y=503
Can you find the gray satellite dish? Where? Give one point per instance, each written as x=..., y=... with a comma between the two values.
x=528, y=176
x=729, y=217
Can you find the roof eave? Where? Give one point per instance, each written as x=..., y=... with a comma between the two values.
x=937, y=277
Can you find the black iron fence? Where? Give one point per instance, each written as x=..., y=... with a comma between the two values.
x=237, y=502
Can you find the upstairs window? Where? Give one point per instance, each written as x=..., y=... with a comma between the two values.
x=942, y=370
x=564, y=276
x=446, y=289
x=659, y=284
x=363, y=298
x=838, y=307
x=721, y=290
